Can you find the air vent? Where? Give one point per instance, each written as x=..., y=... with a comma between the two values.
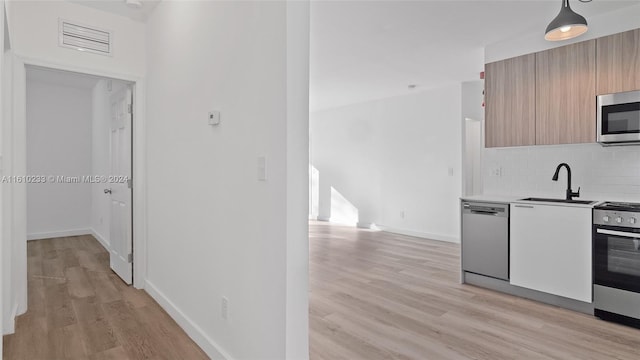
x=85, y=38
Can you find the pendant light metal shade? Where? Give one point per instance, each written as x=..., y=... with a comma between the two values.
x=566, y=25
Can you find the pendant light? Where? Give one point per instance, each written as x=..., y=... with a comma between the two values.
x=566, y=25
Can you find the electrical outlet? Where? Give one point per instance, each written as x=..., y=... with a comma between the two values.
x=224, y=308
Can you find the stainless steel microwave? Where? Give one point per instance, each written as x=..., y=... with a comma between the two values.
x=619, y=119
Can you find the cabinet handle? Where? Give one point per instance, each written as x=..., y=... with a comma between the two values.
x=524, y=206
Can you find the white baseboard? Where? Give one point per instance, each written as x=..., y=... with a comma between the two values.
x=322, y=218
x=207, y=344
x=56, y=234
x=419, y=234
x=364, y=225
x=9, y=326
x=101, y=239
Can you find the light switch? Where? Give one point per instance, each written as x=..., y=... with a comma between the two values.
x=262, y=168
x=214, y=118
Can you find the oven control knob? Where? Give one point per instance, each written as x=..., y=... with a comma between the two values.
x=619, y=220
x=605, y=218
x=632, y=220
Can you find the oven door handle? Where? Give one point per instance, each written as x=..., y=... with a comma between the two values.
x=618, y=233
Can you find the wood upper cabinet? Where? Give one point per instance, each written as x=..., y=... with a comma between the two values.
x=566, y=94
x=510, y=102
x=618, y=58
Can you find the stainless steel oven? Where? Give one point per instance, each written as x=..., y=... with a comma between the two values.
x=619, y=118
x=616, y=262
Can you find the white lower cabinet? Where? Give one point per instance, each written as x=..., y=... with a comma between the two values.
x=550, y=249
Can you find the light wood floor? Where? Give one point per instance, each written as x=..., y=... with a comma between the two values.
x=79, y=309
x=376, y=295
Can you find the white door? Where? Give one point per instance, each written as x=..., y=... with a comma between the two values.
x=119, y=188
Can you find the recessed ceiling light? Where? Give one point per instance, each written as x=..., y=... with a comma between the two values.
x=135, y=4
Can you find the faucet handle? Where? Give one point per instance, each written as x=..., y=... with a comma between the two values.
x=571, y=194
x=577, y=193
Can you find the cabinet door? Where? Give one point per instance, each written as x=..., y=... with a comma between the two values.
x=510, y=102
x=550, y=250
x=566, y=94
x=618, y=59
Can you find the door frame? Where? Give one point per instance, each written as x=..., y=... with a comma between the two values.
x=17, y=166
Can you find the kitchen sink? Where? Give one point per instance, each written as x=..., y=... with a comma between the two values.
x=584, y=202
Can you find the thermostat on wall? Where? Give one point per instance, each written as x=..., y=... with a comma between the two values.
x=214, y=118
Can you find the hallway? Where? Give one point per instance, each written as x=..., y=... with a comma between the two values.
x=79, y=309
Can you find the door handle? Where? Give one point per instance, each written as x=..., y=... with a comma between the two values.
x=618, y=233
x=524, y=206
x=107, y=191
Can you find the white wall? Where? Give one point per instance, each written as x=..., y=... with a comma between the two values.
x=214, y=230
x=3, y=112
x=297, y=155
x=603, y=173
x=58, y=144
x=394, y=156
x=34, y=29
x=11, y=292
x=100, y=156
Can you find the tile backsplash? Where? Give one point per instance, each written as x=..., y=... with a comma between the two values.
x=603, y=173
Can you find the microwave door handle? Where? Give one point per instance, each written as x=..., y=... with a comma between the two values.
x=618, y=233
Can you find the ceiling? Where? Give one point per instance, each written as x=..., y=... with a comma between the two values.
x=119, y=7
x=366, y=50
x=63, y=78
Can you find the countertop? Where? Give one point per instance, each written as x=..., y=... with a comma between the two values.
x=501, y=199
x=508, y=199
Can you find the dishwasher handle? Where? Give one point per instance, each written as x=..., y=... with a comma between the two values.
x=484, y=212
x=486, y=209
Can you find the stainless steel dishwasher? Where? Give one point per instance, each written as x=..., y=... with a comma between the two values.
x=485, y=239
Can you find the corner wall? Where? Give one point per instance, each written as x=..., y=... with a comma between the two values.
x=214, y=229
x=3, y=115
x=12, y=292
x=397, y=160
